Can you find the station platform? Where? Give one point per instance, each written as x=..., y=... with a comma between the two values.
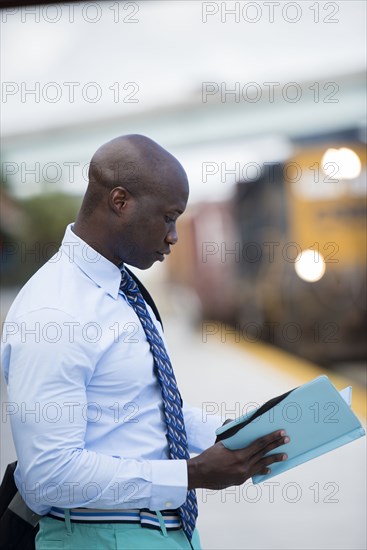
x=318, y=505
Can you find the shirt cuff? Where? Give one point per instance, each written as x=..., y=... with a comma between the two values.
x=169, y=484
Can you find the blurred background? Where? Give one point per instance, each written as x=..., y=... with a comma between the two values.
x=264, y=104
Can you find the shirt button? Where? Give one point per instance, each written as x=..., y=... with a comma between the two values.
x=168, y=504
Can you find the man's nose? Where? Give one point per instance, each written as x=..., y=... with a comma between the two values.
x=172, y=236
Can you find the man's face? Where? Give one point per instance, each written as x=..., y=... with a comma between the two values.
x=151, y=228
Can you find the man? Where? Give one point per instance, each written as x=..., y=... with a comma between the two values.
x=101, y=437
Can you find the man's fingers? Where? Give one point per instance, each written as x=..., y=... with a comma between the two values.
x=261, y=466
x=268, y=442
x=267, y=460
x=273, y=445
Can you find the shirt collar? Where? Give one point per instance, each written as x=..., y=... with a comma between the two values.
x=104, y=273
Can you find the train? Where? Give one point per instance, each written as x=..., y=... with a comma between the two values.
x=283, y=260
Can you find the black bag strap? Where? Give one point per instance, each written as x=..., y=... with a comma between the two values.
x=8, y=488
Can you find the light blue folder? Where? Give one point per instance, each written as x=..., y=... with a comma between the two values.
x=315, y=416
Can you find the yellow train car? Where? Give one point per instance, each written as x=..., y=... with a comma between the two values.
x=325, y=190
x=284, y=260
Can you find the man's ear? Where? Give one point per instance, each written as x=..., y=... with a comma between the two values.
x=118, y=199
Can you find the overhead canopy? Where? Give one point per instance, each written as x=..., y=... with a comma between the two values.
x=210, y=85
x=68, y=63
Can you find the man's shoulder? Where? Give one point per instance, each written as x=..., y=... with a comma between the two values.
x=54, y=287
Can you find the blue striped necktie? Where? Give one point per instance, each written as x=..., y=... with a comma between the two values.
x=176, y=432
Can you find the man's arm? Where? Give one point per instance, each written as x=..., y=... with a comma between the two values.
x=48, y=373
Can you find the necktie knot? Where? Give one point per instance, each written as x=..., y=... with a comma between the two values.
x=127, y=283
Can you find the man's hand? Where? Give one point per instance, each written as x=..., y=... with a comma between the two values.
x=218, y=467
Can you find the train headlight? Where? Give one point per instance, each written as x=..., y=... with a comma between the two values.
x=310, y=265
x=341, y=164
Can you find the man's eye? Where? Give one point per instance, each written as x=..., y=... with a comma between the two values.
x=169, y=220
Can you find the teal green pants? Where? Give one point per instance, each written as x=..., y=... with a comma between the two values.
x=109, y=536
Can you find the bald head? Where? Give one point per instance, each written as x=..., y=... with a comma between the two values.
x=135, y=193
x=134, y=162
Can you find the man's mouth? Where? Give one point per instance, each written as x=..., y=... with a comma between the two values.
x=163, y=254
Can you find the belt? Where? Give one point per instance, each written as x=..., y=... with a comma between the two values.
x=145, y=517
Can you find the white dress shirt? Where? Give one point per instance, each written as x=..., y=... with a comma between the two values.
x=85, y=406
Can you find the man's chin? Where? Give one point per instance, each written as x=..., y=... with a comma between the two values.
x=146, y=264
x=143, y=264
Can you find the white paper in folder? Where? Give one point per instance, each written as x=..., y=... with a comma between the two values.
x=346, y=394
